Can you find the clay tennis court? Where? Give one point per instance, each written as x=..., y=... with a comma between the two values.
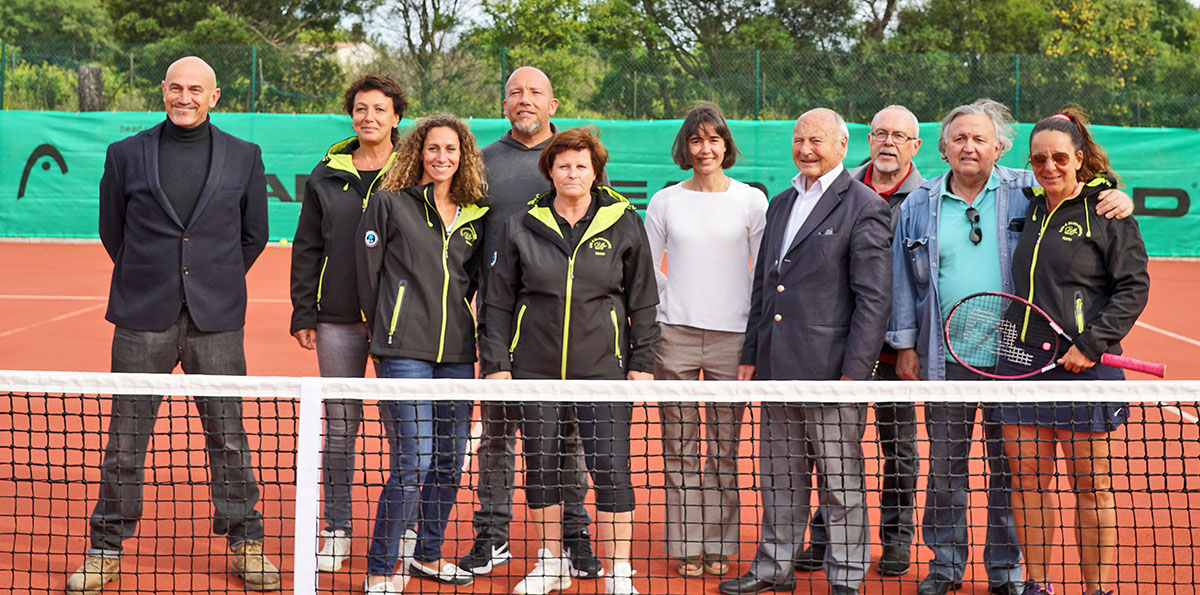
x=52, y=318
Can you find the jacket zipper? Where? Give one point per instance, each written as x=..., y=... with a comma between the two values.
x=474, y=322
x=321, y=281
x=1079, y=311
x=567, y=315
x=1033, y=263
x=616, y=337
x=396, y=311
x=517, y=334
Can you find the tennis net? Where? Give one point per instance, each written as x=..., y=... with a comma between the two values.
x=53, y=434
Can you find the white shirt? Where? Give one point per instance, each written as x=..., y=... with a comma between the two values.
x=711, y=240
x=806, y=200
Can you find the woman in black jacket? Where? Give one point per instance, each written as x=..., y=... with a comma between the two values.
x=572, y=296
x=1089, y=274
x=418, y=266
x=325, y=314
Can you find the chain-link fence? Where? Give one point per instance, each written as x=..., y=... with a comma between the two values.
x=1163, y=91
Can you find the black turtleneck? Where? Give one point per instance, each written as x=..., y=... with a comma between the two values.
x=184, y=155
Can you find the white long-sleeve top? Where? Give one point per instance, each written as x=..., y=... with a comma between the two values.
x=711, y=240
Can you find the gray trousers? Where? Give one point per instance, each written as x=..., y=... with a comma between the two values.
x=896, y=428
x=497, y=459
x=703, y=514
x=232, y=483
x=795, y=439
x=341, y=353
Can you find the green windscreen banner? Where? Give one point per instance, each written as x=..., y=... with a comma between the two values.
x=51, y=163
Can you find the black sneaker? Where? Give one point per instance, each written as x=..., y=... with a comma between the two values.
x=583, y=562
x=484, y=556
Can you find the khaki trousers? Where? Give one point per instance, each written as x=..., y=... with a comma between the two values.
x=702, y=506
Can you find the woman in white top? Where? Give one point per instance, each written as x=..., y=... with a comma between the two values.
x=710, y=226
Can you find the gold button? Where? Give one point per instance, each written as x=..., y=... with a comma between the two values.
x=778, y=318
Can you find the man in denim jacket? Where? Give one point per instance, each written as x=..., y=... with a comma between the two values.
x=938, y=260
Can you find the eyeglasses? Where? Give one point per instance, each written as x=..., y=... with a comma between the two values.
x=898, y=137
x=973, y=217
x=1039, y=159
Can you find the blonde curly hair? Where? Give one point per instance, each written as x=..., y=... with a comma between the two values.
x=468, y=184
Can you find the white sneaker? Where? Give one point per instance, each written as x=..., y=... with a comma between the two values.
x=550, y=574
x=621, y=581
x=449, y=573
x=335, y=551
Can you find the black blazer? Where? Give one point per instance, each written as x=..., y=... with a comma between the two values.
x=158, y=260
x=820, y=310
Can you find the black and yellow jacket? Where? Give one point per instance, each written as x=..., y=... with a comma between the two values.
x=323, y=271
x=560, y=311
x=415, y=279
x=1087, y=272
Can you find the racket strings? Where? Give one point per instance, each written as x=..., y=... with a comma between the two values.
x=989, y=330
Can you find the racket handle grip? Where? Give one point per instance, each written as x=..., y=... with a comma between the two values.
x=1137, y=365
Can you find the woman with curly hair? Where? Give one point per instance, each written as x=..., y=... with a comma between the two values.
x=418, y=263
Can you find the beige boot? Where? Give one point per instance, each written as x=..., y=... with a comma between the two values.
x=252, y=566
x=93, y=575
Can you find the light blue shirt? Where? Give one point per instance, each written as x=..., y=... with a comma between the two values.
x=966, y=267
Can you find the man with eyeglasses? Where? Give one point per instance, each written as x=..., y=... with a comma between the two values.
x=955, y=236
x=894, y=140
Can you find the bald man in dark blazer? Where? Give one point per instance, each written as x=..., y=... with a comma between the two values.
x=819, y=309
x=183, y=215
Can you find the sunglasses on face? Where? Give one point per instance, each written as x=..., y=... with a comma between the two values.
x=976, y=233
x=1040, y=159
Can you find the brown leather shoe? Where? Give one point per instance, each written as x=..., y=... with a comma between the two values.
x=252, y=566
x=93, y=575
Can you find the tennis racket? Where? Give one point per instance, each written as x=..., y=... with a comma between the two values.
x=999, y=335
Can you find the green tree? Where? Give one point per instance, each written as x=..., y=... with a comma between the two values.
x=81, y=21
x=971, y=27
x=274, y=22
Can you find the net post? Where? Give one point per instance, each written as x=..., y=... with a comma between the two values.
x=308, y=474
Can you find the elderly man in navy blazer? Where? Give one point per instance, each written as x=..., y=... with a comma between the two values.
x=819, y=310
x=183, y=215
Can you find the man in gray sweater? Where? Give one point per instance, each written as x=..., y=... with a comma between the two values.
x=513, y=180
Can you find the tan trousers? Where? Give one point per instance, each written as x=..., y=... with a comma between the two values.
x=702, y=508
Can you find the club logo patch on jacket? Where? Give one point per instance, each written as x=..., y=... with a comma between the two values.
x=600, y=246
x=468, y=235
x=1070, y=230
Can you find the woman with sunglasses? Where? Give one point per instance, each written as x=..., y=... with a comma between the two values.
x=1089, y=274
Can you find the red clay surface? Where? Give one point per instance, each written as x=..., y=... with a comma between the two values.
x=52, y=318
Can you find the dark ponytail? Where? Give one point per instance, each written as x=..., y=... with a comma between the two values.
x=1072, y=121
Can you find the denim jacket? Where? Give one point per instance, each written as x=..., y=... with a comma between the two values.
x=916, y=320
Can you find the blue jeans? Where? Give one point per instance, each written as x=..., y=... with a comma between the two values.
x=951, y=428
x=451, y=427
x=409, y=429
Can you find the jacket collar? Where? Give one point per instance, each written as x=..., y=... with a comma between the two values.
x=611, y=206
x=216, y=167
x=825, y=205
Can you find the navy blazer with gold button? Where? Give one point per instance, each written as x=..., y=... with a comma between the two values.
x=819, y=310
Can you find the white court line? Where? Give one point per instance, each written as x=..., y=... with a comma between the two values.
x=1188, y=417
x=16, y=296
x=1151, y=327
x=50, y=320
